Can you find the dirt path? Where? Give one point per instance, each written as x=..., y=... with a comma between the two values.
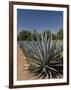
x=22, y=74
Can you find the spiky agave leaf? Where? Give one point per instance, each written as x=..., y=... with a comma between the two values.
x=45, y=57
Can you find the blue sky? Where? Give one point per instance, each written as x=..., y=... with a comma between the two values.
x=40, y=20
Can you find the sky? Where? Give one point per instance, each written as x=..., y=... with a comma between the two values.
x=39, y=20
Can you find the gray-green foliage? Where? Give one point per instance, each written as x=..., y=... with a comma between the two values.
x=28, y=35
x=45, y=57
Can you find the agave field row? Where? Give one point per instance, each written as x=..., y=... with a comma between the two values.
x=44, y=57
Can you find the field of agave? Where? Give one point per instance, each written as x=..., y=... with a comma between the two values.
x=44, y=57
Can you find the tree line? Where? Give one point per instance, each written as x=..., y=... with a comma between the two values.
x=28, y=35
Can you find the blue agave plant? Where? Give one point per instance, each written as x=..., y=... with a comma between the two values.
x=44, y=57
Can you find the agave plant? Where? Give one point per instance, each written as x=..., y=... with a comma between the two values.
x=44, y=57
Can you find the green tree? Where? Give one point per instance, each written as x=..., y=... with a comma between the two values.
x=53, y=36
x=60, y=34
x=24, y=35
x=34, y=35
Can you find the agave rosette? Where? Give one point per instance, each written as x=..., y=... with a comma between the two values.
x=44, y=57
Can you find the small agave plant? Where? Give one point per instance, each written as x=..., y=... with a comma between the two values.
x=44, y=57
